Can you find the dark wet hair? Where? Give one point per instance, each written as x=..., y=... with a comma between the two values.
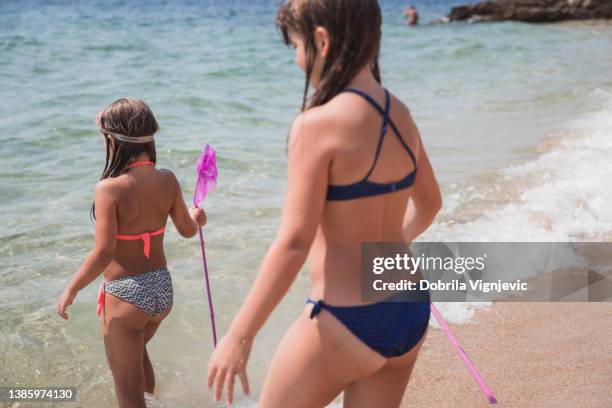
x=354, y=28
x=129, y=117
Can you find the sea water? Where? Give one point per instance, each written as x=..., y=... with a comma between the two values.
x=516, y=119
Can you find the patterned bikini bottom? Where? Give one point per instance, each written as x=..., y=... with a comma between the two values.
x=150, y=291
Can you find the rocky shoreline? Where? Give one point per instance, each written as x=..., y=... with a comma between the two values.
x=533, y=11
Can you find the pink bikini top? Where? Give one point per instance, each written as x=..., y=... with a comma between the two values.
x=145, y=236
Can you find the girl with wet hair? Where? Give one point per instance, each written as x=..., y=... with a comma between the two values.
x=358, y=172
x=133, y=201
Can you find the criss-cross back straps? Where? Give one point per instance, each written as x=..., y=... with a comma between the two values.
x=383, y=131
x=386, y=121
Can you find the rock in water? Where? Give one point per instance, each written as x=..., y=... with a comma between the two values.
x=533, y=11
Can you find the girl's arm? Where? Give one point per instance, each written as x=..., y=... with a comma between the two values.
x=425, y=198
x=309, y=161
x=187, y=222
x=104, y=246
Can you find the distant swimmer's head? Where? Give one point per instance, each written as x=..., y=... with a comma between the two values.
x=128, y=127
x=334, y=40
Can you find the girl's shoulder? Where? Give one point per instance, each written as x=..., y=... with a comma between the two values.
x=348, y=110
x=108, y=191
x=109, y=186
x=170, y=180
x=328, y=125
x=171, y=184
x=117, y=186
x=313, y=128
x=168, y=174
x=354, y=111
x=323, y=125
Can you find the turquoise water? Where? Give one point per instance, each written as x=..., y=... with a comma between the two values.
x=484, y=96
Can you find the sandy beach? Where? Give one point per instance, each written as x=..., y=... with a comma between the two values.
x=530, y=354
x=516, y=119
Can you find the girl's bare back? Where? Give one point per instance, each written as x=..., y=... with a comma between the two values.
x=145, y=197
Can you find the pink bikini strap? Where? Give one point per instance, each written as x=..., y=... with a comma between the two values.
x=145, y=237
x=141, y=163
x=101, y=296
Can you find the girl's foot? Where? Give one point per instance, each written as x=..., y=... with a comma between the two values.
x=151, y=401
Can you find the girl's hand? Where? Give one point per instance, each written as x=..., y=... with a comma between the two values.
x=198, y=215
x=228, y=360
x=65, y=300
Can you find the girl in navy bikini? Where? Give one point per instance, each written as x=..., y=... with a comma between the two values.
x=132, y=203
x=358, y=172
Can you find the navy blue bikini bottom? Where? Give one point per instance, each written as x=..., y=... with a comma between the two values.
x=391, y=328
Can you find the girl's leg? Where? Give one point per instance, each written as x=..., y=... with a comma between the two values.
x=315, y=361
x=149, y=374
x=124, y=331
x=385, y=388
x=149, y=332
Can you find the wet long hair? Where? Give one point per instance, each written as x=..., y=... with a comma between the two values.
x=354, y=28
x=130, y=117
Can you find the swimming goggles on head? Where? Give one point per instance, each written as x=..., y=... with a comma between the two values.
x=120, y=137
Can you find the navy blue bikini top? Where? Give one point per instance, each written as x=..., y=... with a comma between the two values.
x=365, y=187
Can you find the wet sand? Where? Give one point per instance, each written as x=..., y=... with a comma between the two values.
x=530, y=354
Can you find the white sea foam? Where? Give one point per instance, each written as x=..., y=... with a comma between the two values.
x=562, y=195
